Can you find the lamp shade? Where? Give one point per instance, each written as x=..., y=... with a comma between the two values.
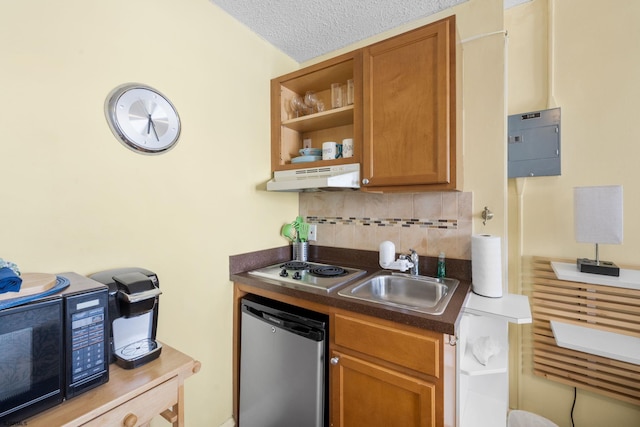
x=598, y=214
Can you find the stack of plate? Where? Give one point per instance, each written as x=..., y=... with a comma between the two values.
x=308, y=155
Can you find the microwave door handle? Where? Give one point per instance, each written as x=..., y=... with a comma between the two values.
x=152, y=293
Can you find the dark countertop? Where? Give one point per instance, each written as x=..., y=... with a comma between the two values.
x=445, y=323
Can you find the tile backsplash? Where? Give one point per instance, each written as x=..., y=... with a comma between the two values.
x=426, y=222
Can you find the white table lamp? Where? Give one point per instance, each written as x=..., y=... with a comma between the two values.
x=598, y=219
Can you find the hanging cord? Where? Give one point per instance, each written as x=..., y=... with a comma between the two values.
x=575, y=396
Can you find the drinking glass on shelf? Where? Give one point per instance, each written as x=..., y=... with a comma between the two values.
x=310, y=100
x=336, y=95
x=350, y=91
x=298, y=106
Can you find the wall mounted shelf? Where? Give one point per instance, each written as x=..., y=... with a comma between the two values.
x=594, y=341
x=628, y=279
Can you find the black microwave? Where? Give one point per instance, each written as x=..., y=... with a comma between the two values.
x=53, y=348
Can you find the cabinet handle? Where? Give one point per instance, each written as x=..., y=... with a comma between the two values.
x=335, y=360
x=130, y=420
x=365, y=181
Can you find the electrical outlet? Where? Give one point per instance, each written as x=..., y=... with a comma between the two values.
x=313, y=232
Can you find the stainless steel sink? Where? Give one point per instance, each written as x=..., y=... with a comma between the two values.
x=417, y=293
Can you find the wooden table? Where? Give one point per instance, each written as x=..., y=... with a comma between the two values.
x=132, y=397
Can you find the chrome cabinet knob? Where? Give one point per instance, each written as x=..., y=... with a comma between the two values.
x=365, y=181
x=335, y=360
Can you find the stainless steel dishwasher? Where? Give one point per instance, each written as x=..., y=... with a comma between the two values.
x=283, y=369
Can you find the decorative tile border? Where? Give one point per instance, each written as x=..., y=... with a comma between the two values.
x=450, y=224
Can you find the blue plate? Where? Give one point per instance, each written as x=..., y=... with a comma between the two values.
x=311, y=151
x=61, y=283
x=305, y=159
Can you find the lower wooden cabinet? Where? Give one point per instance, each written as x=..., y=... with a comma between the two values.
x=366, y=394
x=384, y=374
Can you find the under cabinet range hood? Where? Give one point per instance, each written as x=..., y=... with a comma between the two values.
x=340, y=177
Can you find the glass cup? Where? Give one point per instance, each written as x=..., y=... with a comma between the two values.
x=336, y=95
x=297, y=106
x=310, y=100
x=350, y=92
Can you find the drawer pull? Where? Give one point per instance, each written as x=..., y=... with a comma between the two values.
x=335, y=360
x=130, y=420
x=169, y=415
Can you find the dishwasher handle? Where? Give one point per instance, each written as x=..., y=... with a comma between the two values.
x=295, y=327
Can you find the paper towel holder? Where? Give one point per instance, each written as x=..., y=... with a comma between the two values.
x=487, y=215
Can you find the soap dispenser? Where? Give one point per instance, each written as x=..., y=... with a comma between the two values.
x=441, y=270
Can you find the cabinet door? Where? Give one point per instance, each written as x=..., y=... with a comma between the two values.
x=409, y=109
x=365, y=394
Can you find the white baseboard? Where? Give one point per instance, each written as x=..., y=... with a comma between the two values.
x=229, y=423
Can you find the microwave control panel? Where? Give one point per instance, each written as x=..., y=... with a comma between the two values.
x=87, y=335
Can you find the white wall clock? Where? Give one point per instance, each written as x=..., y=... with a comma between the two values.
x=142, y=118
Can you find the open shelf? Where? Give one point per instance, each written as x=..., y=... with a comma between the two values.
x=325, y=119
x=628, y=279
x=496, y=364
x=596, y=341
x=513, y=308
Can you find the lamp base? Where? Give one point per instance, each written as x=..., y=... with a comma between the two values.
x=606, y=268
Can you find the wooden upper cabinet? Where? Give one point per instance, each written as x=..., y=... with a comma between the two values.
x=402, y=119
x=409, y=111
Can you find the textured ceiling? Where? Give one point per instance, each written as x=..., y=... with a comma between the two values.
x=305, y=29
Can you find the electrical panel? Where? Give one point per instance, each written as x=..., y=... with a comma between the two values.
x=534, y=144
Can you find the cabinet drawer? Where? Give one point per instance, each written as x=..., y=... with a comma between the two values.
x=419, y=352
x=144, y=407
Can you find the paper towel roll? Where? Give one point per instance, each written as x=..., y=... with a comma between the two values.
x=486, y=265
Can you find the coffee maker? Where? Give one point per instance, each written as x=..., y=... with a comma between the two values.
x=133, y=315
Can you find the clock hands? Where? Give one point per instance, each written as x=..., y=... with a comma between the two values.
x=150, y=126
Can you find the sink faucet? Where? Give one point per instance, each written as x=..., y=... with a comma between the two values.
x=388, y=253
x=415, y=260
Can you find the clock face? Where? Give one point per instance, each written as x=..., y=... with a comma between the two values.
x=142, y=118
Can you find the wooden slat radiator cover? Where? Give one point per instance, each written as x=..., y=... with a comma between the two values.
x=603, y=307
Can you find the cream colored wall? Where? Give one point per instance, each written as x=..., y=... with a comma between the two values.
x=595, y=81
x=75, y=199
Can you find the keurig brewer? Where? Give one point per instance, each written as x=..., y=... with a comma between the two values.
x=133, y=312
